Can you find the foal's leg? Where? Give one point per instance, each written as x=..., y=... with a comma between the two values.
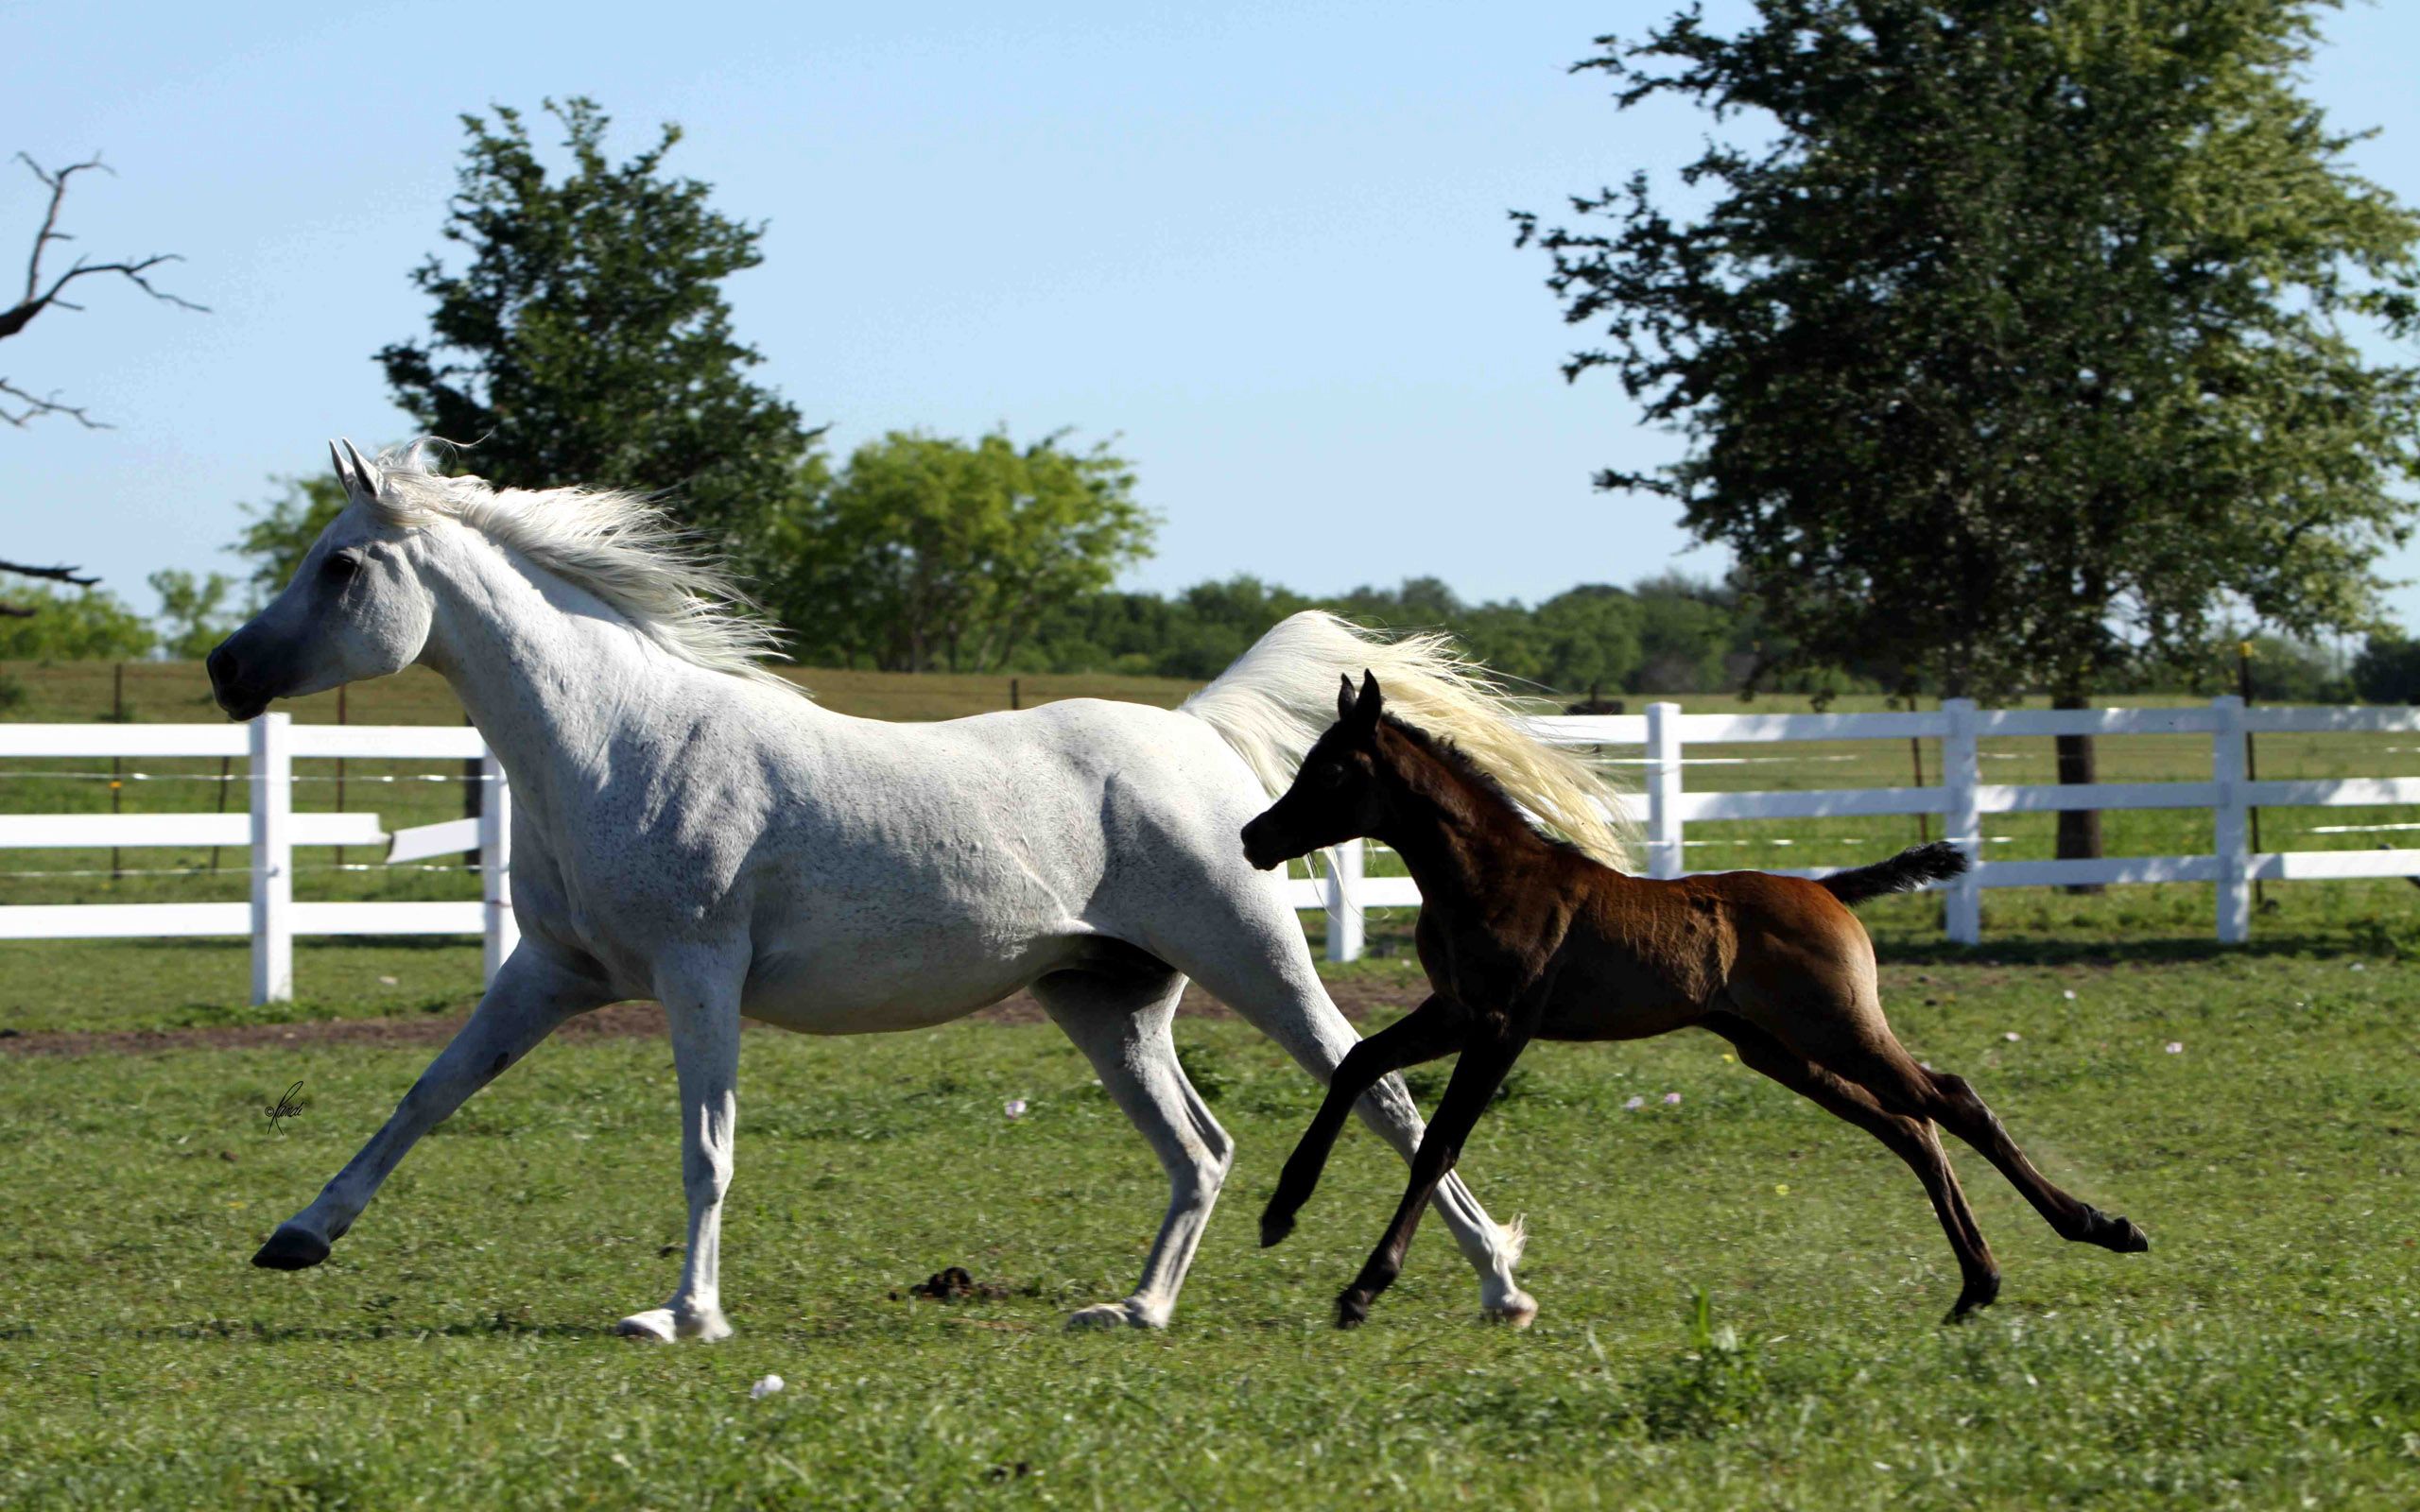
x=1910, y=1139
x=531, y=995
x=1239, y=939
x=1850, y=1038
x=1485, y=1060
x=701, y=1005
x=1121, y=1025
x=1435, y=1028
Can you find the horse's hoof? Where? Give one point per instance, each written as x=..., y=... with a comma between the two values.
x=291, y=1248
x=1112, y=1315
x=1978, y=1294
x=1274, y=1226
x=1352, y=1310
x=2111, y=1232
x=651, y=1326
x=1518, y=1311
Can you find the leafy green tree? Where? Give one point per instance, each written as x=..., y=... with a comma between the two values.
x=2013, y=342
x=927, y=553
x=281, y=530
x=46, y=623
x=1592, y=638
x=194, y=613
x=587, y=340
x=2388, y=669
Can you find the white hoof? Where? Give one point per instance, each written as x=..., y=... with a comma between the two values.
x=1517, y=1310
x=1114, y=1316
x=662, y=1326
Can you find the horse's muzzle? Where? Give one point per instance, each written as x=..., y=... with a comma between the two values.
x=241, y=696
x=1260, y=848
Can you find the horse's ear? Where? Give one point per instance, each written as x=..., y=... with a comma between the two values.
x=1367, y=708
x=1344, y=699
x=344, y=471
x=365, y=479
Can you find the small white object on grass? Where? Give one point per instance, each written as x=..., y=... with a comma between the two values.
x=1633, y=1105
x=764, y=1387
x=1016, y=1107
x=2176, y=1047
x=2071, y=994
x=2012, y=1037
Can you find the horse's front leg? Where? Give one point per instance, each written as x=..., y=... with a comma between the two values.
x=703, y=1007
x=1487, y=1058
x=532, y=994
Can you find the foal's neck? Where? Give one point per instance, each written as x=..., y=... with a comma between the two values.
x=1457, y=835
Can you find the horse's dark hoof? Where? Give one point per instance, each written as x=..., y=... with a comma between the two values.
x=1274, y=1226
x=291, y=1248
x=1352, y=1310
x=1978, y=1294
x=2111, y=1232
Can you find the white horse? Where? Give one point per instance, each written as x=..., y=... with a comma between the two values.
x=687, y=827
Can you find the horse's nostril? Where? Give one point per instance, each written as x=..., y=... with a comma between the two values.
x=221, y=664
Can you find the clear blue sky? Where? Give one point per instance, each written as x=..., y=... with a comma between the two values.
x=1263, y=245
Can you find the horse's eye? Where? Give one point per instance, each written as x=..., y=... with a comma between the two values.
x=340, y=568
x=1329, y=774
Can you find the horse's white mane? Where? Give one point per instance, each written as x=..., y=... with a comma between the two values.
x=619, y=545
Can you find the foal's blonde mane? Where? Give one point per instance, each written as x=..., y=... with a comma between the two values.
x=619, y=546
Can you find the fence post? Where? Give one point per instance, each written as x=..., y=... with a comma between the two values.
x=1344, y=901
x=273, y=781
x=1664, y=847
x=1960, y=774
x=2234, y=855
x=495, y=867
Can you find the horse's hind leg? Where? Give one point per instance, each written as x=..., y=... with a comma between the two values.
x=1245, y=947
x=1849, y=1036
x=1119, y=1020
x=1912, y=1139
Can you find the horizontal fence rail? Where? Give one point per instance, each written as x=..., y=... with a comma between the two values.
x=1662, y=806
x=271, y=831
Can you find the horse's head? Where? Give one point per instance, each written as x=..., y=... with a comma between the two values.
x=357, y=607
x=1336, y=794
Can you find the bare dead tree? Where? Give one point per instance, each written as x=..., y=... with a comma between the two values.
x=41, y=295
x=56, y=574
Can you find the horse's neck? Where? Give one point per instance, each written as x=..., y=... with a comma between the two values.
x=1454, y=837
x=560, y=684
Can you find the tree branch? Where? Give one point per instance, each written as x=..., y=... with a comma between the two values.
x=53, y=574
x=40, y=296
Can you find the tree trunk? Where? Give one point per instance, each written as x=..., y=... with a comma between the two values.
x=2079, y=829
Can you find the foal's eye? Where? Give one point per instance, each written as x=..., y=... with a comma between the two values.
x=1328, y=775
x=341, y=568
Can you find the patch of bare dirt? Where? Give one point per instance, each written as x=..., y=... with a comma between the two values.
x=1358, y=998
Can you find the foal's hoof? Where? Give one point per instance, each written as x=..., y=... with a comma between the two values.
x=291, y=1248
x=1979, y=1292
x=2111, y=1232
x=1274, y=1226
x=1352, y=1310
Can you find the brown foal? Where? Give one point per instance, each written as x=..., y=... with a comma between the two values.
x=1524, y=937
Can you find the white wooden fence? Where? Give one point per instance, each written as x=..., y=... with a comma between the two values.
x=1664, y=806
x=271, y=830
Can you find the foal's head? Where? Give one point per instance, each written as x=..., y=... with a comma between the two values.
x=1337, y=794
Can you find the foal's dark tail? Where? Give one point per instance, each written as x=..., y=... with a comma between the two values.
x=1905, y=872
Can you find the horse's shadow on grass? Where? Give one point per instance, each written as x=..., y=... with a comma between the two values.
x=255, y=1331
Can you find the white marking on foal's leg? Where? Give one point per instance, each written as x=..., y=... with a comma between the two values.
x=1124, y=1033
x=705, y=1053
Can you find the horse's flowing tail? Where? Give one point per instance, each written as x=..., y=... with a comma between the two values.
x=1905, y=872
x=1272, y=704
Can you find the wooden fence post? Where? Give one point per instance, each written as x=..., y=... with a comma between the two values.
x=496, y=869
x=1344, y=901
x=1960, y=774
x=1664, y=826
x=2227, y=814
x=273, y=781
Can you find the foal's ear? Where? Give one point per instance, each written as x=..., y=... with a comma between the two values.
x=1344, y=699
x=1367, y=708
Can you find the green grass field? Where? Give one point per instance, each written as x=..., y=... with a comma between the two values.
x=2266, y=1354
x=455, y=1351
